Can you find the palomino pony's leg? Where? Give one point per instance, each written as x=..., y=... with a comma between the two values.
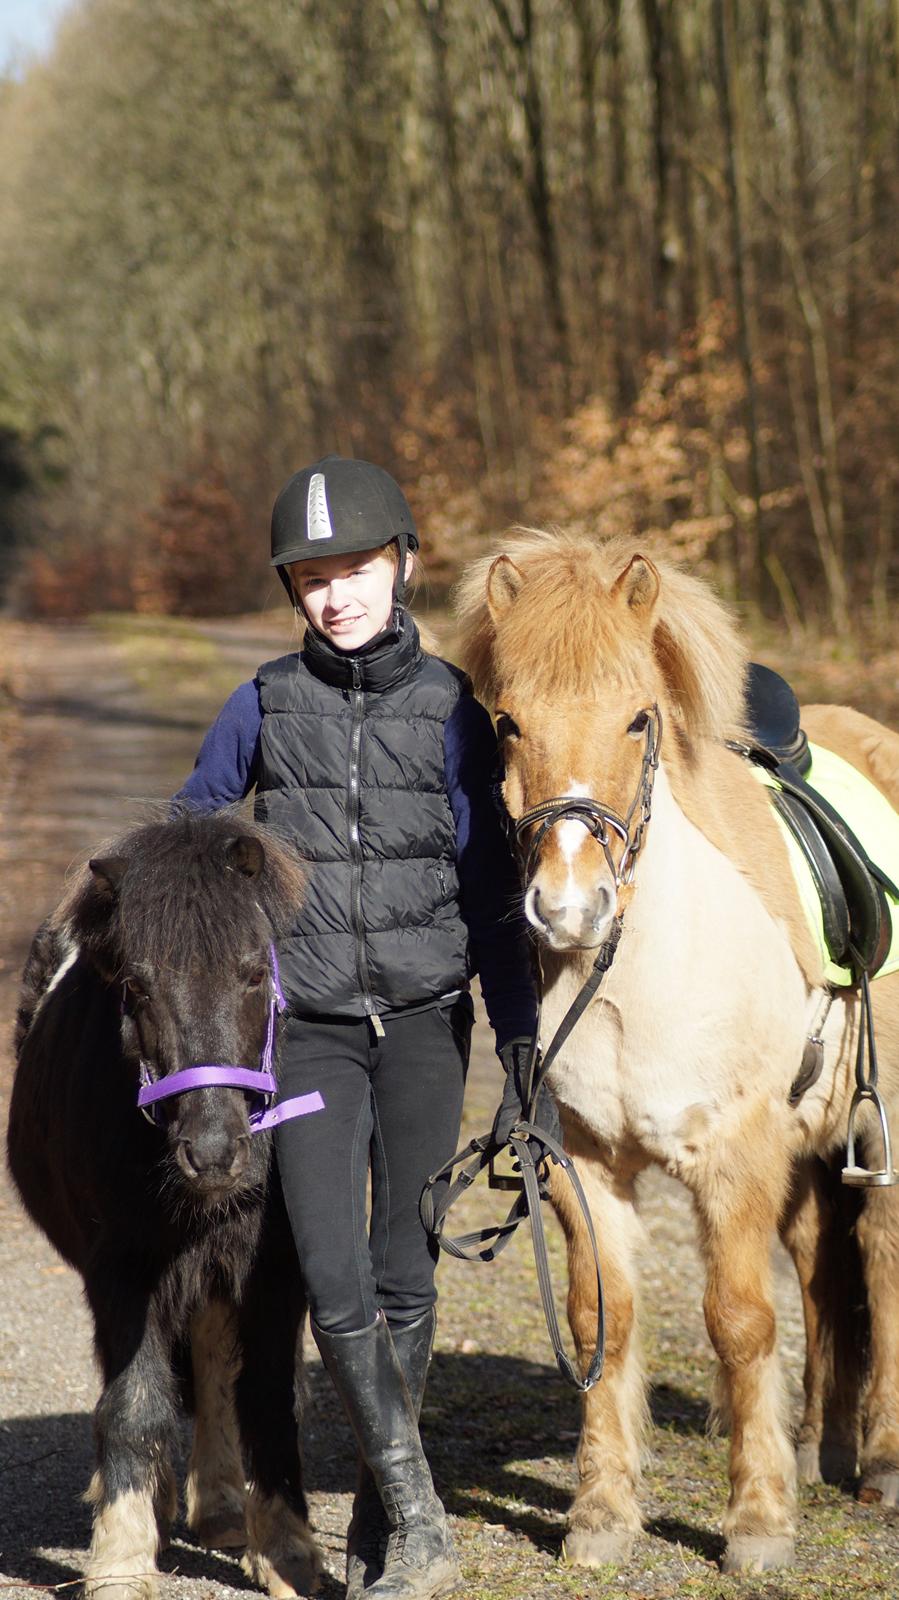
x=215, y=1490
x=739, y=1199
x=818, y=1229
x=605, y=1515
x=878, y=1233
x=134, y=1422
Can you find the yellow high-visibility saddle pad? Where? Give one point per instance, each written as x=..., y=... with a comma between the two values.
x=875, y=824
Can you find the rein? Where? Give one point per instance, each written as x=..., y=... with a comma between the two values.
x=257, y=1082
x=533, y=1148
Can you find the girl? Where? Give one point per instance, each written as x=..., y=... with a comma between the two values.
x=377, y=760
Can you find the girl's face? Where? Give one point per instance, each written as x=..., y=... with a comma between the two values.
x=348, y=599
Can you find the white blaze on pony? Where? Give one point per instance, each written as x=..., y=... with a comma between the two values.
x=687, y=1056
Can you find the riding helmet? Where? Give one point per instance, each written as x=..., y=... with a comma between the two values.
x=337, y=506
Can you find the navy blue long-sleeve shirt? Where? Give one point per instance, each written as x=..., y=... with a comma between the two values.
x=489, y=889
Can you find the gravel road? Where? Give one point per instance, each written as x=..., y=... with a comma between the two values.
x=500, y=1424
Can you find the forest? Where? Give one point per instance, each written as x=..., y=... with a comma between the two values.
x=604, y=263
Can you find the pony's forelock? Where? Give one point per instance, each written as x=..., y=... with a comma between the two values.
x=563, y=636
x=180, y=898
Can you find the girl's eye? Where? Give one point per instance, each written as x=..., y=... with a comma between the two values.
x=639, y=723
x=506, y=726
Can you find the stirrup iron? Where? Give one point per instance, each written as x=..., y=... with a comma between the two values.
x=863, y=1177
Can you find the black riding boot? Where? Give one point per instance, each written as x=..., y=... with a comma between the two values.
x=419, y=1562
x=367, y=1534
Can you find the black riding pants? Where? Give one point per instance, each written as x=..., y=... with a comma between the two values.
x=393, y=1109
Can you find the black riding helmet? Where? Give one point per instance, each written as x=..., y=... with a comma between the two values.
x=337, y=506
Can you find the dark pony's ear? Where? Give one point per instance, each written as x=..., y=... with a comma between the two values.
x=108, y=872
x=245, y=854
x=503, y=583
x=638, y=585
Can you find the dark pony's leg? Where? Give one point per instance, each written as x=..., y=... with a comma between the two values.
x=132, y=1491
x=215, y=1491
x=818, y=1229
x=281, y=1556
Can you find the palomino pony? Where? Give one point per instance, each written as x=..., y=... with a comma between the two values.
x=156, y=978
x=600, y=662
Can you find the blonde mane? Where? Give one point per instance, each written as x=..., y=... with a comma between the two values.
x=563, y=635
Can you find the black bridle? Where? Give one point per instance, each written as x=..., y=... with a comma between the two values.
x=599, y=819
x=533, y=1148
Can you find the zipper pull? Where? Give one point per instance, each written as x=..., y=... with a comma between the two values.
x=377, y=1026
x=357, y=674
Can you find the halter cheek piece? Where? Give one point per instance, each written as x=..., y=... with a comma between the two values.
x=598, y=819
x=258, y=1083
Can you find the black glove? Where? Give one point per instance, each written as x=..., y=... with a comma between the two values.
x=515, y=1057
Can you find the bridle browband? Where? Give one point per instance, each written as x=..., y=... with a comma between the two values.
x=258, y=1083
x=599, y=820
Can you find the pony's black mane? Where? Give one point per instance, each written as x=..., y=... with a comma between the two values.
x=180, y=898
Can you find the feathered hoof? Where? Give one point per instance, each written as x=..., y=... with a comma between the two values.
x=221, y=1530
x=825, y=1461
x=880, y=1486
x=597, y=1547
x=120, y=1588
x=758, y=1552
x=285, y=1573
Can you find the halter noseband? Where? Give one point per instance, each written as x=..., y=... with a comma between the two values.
x=599, y=819
x=258, y=1082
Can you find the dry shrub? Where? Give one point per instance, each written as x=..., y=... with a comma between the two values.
x=192, y=553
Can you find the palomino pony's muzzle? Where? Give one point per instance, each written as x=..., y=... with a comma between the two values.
x=258, y=1083
x=599, y=819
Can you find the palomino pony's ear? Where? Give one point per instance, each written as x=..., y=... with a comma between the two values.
x=245, y=854
x=638, y=585
x=503, y=583
x=108, y=872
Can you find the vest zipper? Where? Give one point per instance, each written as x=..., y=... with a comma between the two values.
x=355, y=848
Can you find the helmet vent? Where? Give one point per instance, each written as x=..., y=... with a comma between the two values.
x=318, y=518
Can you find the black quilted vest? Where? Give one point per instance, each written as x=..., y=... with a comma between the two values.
x=352, y=768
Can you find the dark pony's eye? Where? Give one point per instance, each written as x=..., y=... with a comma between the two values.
x=639, y=723
x=136, y=989
x=257, y=978
x=506, y=726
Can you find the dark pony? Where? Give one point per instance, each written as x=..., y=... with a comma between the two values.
x=160, y=957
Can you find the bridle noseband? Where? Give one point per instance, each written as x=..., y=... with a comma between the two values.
x=599, y=820
x=259, y=1083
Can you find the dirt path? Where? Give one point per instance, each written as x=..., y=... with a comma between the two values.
x=500, y=1424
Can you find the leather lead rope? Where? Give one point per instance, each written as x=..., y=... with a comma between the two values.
x=534, y=1150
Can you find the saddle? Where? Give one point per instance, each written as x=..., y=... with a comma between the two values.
x=851, y=887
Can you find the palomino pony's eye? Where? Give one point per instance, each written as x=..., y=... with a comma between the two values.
x=506, y=727
x=639, y=723
x=136, y=990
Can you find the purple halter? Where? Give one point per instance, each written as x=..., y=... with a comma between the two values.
x=258, y=1081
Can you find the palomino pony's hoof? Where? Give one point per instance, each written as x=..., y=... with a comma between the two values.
x=825, y=1463
x=880, y=1486
x=756, y=1553
x=597, y=1547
